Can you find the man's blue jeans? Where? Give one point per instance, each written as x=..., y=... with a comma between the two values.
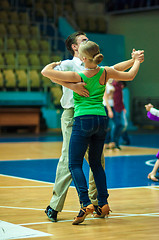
x=88, y=130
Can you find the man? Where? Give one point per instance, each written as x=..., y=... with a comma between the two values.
x=63, y=175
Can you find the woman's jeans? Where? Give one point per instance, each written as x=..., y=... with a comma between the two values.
x=88, y=130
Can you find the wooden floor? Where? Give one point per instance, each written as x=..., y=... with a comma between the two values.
x=42, y=150
x=135, y=211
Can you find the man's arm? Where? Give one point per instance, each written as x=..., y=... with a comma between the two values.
x=76, y=87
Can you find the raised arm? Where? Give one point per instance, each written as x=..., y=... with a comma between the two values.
x=126, y=76
x=122, y=66
x=59, y=76
x=123, y=76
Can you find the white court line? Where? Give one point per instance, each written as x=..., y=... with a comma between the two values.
x=150, y=162
x=33, y=180
x=29, y=159
x=26, y=186
x=70, y=211
x=119, y=215
x=131, y=187
x=28, y=179
x=154, y=187
x=36, y=209
x=92, y=218
x=15, y=231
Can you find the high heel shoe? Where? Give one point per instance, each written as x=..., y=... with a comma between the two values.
x=102, y=212
x=83, y=213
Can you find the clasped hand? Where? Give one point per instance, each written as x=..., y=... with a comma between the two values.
x=148, y=107
x=139, y=55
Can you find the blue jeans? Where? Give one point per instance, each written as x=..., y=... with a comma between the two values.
x=120, y=125
x=109, y=127
x=88, y=130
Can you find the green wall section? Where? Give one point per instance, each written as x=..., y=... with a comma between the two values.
x=52, y=117
x=141, y=31
x=64, y=28
x=112, y=46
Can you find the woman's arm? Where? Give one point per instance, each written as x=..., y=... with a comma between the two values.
x=123, y=76
x=67, y=79
x=122, y=66
x=57, y=76
x=77, y=87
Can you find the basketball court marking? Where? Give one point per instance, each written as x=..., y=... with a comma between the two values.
x=36, y=209
x=150, y=162
x=14, y=231
x=51, y=184
x=117, y=215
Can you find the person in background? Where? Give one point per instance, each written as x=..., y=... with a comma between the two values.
x=119, y=119
x=89, y=127
x=153, y=114
x=109, y=104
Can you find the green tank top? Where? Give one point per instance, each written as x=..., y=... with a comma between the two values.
x=92, y=105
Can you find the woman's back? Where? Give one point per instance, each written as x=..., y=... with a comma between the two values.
x=92, y=105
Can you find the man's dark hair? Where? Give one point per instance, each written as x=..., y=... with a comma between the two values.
x=72, y=40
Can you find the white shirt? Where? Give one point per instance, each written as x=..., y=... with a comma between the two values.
x=74, y=65
x=109, y=90
x=154, y=112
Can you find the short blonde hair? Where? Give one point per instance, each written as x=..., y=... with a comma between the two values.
x=91, y=51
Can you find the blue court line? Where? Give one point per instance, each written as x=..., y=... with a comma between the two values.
x=121, y=171
x=139, y=140
x=31, y=139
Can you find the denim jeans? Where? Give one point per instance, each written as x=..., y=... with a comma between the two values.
x=88, y=130
x=109, y=127
x=120, y=125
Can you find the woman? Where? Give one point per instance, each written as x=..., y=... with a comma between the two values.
x=153, y=114
x=90, y=126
